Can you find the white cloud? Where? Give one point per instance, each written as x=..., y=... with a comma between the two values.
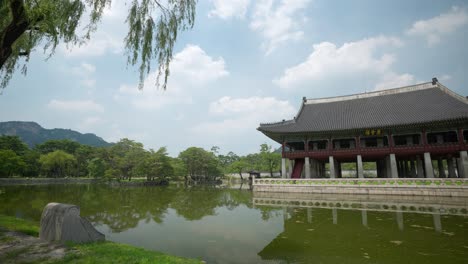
x=191, y=67
x=393, y=80
x=278, y=23
x=226, y=9
x=85, y=72
x=434, y=28
x=89, y=122
x=193, y=64
x=98, y=45
x=242, y=115
x=75, y=105
x=445, y=77
x=328, y=61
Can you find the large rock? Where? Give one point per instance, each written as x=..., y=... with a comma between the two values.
x=62, y=222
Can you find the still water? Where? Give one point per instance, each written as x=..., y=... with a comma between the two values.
x=232, y=225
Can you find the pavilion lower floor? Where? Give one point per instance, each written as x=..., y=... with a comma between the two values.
x=423, y=165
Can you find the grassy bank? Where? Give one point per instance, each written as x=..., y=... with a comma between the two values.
x=102, y=252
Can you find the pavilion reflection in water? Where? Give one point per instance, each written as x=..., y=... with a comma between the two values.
x=356, y=229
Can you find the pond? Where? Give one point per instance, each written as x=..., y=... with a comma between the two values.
x=230, y=225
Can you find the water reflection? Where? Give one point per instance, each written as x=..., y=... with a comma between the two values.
x=232, y=225
x=376, y=229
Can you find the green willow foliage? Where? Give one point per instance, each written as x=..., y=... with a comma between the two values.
x=152, y=31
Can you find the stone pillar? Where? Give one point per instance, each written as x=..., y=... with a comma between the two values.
x=364, y=217
x=419, y=163
x=307, y=168
x=413, y=168
x=283, y=168
x=428, y=165
x=451, y=168
x=463, y=165
x=440, y=166
x=399, y=218
x=335, y=216
x=290, y=168
x=360, y=170
x=309, y=215
x=388, y=167
x=331, y=160
x=437, y=223
x=393, y=166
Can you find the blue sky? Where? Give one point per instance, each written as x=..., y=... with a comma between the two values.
x=244, y=62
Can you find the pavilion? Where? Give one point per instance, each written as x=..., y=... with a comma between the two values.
x=402, y=130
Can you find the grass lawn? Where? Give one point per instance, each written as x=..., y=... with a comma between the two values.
x=100, y=252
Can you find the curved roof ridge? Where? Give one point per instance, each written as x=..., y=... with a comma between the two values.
x=404, y=89
x=278, y=123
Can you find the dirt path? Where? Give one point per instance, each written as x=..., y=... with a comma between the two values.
x=20, y=248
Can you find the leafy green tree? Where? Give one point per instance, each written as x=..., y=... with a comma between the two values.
x=57, y=163
x=10, y=163
x=226, y=160
x=155, y=165
x=31, y=158
x=96, y=168
x=179, y=167
x=201, y=165
x=66, y=145
x=13, y=143
x=152, y=30
x=84, y=154
x=239, y=166
x=270, y=160
x=125, y=155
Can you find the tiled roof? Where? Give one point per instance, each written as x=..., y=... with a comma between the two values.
x=417, y=104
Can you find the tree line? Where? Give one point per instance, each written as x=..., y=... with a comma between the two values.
x=127, y=159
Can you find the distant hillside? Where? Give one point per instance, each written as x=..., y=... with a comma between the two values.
x=32, y=134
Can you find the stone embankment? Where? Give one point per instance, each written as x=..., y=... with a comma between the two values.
x=37, y=181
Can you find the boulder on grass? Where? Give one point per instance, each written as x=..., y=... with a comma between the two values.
x=62, y=222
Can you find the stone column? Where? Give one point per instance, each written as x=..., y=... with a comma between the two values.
x=309, y=215
x=399, y=218
x=428, y=165
x=290, y=168
x=331, y=160
x=388, y=167
x=451, y=168
x=419, y=163
x=364, y=217
x=307, y=168
x=463, y=165
x=393, y=166
x=283, y=168
x=440, y=166
x=437, y=222
x=360, y=170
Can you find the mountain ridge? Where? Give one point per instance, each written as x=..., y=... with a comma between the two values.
x=32, y=134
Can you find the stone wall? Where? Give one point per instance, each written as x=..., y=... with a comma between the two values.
x=427, y=187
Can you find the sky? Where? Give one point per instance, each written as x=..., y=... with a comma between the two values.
x=245, y=62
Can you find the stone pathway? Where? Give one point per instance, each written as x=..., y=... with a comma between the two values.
x=20, y=248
